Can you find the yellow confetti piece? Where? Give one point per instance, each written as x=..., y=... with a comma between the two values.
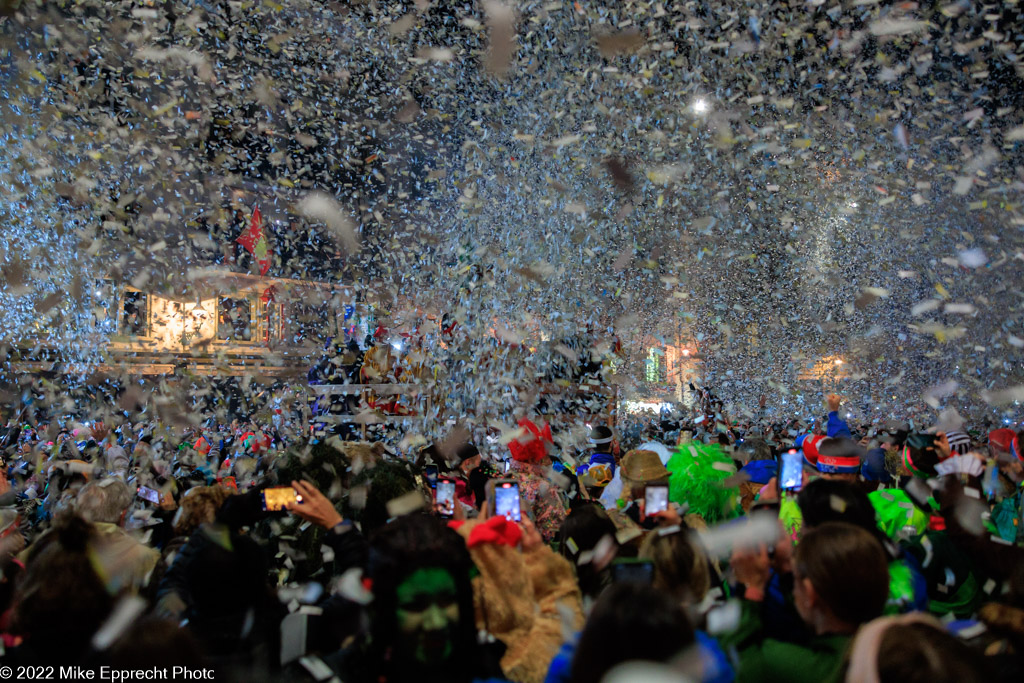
x=285, y=182
x=802, y=143
x=943, y=292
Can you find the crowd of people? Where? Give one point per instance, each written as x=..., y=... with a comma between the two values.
x=712, y=551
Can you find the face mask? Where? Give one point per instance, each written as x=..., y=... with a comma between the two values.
x=428, y=612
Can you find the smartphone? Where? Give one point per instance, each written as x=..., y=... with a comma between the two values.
x=152, y=495
x=791, y=470
x=506, y=500
x=508, y=465
x=430, y=472
x=275, y=498
x=655, y=500
x=444, y=497
x=632, y=571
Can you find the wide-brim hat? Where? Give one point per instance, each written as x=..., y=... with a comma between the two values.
x=643, y=467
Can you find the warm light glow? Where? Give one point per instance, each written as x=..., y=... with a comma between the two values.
x=701, y=105
x=686, y=352
x=839, y=361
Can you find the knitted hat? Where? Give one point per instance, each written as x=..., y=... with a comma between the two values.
x=600, y=435
x=531, y=446
x=809, y=443
x=643, y=467
x=959, y=442
x=838, y=456
x=1002, y=439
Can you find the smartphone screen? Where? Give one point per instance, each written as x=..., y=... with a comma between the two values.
x=508, y=464
x=791, y=473
x=274, y=499
x=655, y=500
x=152, y=495
x=633, y=572
x=506, y=500
x=445, y=497
x=430, y=471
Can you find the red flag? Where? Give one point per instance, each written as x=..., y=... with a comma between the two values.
x=255, y=242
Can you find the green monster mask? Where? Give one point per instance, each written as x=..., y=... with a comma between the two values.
x=428, y=612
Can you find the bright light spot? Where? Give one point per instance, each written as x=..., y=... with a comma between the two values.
x=397, y=345
x=645, y=406
x=852, y=205
x=839, y=361
x=686, y=352
x=701, y=106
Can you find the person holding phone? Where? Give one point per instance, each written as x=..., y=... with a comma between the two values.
x=542, y=500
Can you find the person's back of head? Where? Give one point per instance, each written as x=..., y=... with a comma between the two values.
x=384, y=481
x=830, y=500
x=581, y=531
x=680, y=566
x=848, y=570
x=61, y=601
x=630, y=621
x=104, y=501
x=913, y=648
x=200, y=506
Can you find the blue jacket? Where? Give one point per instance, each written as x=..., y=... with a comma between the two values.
x=603, y=459
x=761, y=471
x=838, y=427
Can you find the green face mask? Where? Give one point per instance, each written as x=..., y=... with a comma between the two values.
x=428, y=612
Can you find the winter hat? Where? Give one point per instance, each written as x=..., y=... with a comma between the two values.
x=601, y=435
x=809, y=443
x=531, y=446
x=1002, y=439
x=838, y=456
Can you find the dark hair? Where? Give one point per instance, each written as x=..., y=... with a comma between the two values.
x=384, y=481
x=61, y=601
x=919, y=653
x=581, y=531
x=847, y=567
x=153, y=642
x=397, y=550
x=630, y=621
x=831, y=500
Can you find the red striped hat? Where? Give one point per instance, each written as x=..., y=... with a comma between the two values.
x=809, y=443
x=835, y=458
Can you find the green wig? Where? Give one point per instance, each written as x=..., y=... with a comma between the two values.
x=697, y=480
